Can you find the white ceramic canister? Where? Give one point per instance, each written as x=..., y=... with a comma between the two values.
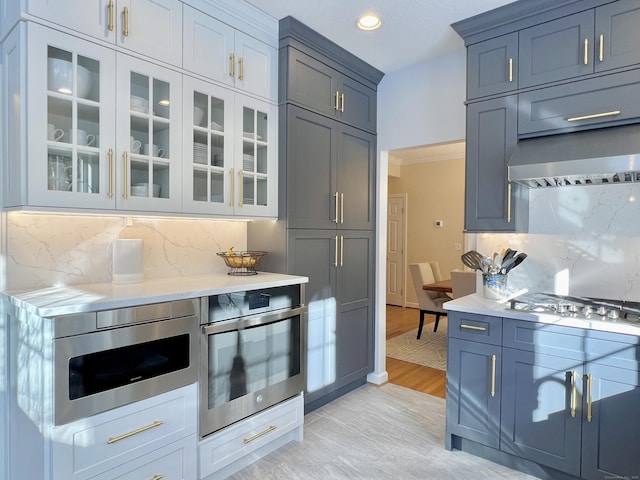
x=127, y=260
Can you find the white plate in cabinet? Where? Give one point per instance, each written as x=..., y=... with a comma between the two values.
x=149, y=27
x=221, y=53
x=176, y=461
x=249, y=437
x=97, y=444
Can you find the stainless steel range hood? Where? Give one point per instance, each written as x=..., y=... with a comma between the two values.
x=594, y=157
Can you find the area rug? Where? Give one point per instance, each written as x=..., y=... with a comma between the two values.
x=430, y=350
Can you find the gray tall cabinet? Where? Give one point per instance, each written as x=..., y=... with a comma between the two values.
x=327, y=197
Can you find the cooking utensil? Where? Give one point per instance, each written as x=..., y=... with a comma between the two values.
x=517, y=260
x=472, y=259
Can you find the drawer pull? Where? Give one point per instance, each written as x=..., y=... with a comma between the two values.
x=110, y=194
x=336, y=104
x=157, y=477
x=511, y=70
x=602, y=48
x=589, y=397
x=261, y=434
x=473, y=327
x=155, y=424
x=125, y=13
x=493, y=375
x=586, y=51
x=232, y=65
x=594, y=115
x=574, y=393
x=110, y=25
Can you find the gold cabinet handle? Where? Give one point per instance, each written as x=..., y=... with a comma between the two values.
x=157, y=477
x=341, y=250
x=232, y=187
x=261, y=434
x=110, y=25
x=232, y=65
x=342, y=208
x=586, y=51
x=589, y=397
x=473, y=327
x=601, y=56
x=241, y=65
x=336, y=197
x=125, y=13
x=509, y=203
x=110, y=194
x=493, y=375
x=574, y=393
x=335, y=250
x=125, y=162
x=342, y=102
x=336, y=104
x=594, y=115
x=511, y=70
x=155, y=424
x=241, y=183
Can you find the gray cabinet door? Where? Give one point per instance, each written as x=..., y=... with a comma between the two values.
x=492, y=66
x=473, y=391
x=357, y=105
x=490, y=203
x=556, y=50
x=610, y=438
x=541, y=410
x=311, y=155
x=617, y=34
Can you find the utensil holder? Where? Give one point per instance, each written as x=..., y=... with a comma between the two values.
x=494, y=285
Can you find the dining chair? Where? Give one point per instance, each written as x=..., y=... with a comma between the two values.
x=463, y=283
x=429, y=302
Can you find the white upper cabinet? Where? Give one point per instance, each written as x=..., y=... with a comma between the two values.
x=149, y=27
x=219, y=52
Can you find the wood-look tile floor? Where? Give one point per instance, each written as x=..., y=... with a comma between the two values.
x=416, y=377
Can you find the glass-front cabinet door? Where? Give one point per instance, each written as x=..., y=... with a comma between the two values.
x=147, y=160
x=71, y=120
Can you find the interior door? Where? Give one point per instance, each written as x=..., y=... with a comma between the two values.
x=396, y=226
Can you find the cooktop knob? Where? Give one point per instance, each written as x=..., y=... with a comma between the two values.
x=587, y=311
x=573, y=308
x=613, y=315
x=601, y=310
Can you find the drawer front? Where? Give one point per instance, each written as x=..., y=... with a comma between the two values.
x=572, y=107
x=543, y=338
x=478, y=328
x=176, y=461
x=99, y=443
x=233, y=443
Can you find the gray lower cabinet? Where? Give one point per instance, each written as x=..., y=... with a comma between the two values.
x=567, y=398
x=492, y=66
x=330, y=173
x=339, y=295
x=491, y=202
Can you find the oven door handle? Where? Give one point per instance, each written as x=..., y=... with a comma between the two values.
x=252, y=321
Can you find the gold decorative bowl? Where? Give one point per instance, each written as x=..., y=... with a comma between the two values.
x=242, y=263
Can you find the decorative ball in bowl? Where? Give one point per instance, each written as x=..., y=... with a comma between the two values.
x=242, y=263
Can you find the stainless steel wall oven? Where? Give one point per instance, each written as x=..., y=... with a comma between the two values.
x=107, y=359
x=251, y=353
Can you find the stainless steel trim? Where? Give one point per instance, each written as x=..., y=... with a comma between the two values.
x=252, y=321
x=124, y=316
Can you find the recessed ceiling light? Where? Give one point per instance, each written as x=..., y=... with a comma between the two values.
x=369, y=21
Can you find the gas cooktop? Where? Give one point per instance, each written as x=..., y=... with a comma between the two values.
x=578, y=307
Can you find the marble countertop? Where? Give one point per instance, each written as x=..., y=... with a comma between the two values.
x=477, y=304
x=65, y=300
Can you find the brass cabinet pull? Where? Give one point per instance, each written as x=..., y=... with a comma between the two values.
x=335, y=261
x=110, y=194
x=232, y=65
x=341, y=250
x=261, y=434
x=509, y=203
x=110, y=25
x=589, y=397
x=125, y=161
x=493, y=375
x=342, y=208
x=601, y=57
x=594, y=115
x=586, y=51
x=342, y=102
x=336, y=104
x=241, y=188
x=157, y=477
x=473, y=327
x=336, y=196
x=574, y=393
x=155, y=424
x=232, y=187
x=511, y=70
x=125, y=12
x=241, y=65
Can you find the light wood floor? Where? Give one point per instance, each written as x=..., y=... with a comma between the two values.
x=416, y=377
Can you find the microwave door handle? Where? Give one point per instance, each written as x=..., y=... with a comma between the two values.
x=252, y=320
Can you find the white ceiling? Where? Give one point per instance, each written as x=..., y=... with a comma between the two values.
x=412, y=31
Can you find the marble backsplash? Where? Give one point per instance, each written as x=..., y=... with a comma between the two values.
x=56, y=249
x=581, y=241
